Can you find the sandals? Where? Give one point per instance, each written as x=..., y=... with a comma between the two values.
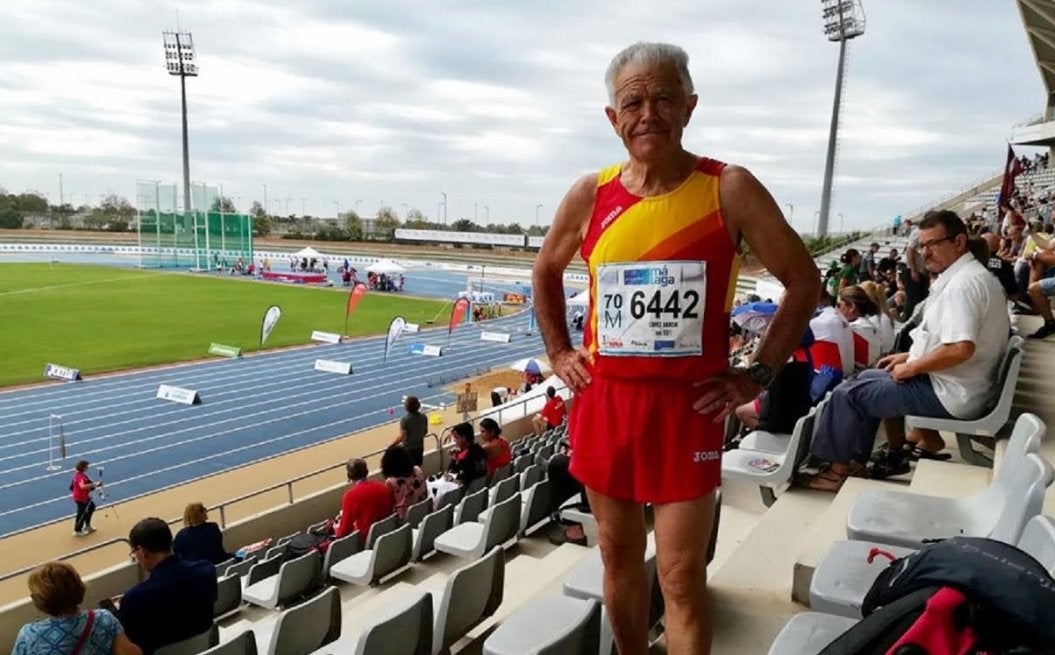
x=919, y=453
x=828, y=479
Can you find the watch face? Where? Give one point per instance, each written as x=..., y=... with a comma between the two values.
x=761, y=374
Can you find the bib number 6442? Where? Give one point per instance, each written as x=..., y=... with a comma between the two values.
x=674, y=303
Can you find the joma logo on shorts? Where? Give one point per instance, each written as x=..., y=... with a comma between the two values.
x=705, y=456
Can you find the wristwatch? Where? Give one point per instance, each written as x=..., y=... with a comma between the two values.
x=760, y=374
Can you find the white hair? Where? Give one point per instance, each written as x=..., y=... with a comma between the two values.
x=652, y=54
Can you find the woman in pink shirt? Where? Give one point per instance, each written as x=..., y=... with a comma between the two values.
x=81, y=488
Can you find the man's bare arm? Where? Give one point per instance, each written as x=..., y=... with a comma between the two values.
x=563, y=240
x=751, y=210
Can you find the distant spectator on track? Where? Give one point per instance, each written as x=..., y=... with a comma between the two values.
x=81, y=487
x=412, y=429
x=200, y=539
x=57, y=590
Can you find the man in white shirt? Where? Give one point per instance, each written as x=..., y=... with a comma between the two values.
x=948, y=372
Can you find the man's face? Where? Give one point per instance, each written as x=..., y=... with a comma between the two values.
x=650, y=111
x=938, y=250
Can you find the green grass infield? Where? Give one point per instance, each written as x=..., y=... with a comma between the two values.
x=99, y=319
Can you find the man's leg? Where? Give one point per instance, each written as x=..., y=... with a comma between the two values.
x=683, y=531
x=621, y=532
x=894, y=427
x=1039, y=292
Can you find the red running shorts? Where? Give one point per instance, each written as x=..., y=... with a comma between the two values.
x=641, y=441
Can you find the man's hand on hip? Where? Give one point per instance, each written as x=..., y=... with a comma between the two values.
x=573, y=367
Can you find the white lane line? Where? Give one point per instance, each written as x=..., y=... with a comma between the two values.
x=140, y=276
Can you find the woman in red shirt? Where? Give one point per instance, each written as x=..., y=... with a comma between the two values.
x=81, y=488
x=499, y=453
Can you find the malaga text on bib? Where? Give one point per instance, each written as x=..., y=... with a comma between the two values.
x=651, y=309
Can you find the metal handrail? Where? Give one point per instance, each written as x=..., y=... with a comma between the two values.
x=222, y=507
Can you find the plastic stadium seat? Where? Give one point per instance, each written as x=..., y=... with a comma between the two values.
x=228, y=596
x=242, y=567
x=843, y=576
x=471, y=595
x=390, y=554
x=402, y=629
x=243, y=644
x=534, y=511
x=384, y=526
x=474, y=539
x=532, y=474
x=339, y=550
x=451, y=498
x=503, y=490
x=309, y=626
x=432, y=526
x=986, y=427
x=500, y=474
x=192, y=645
x=470, y=508
x=771, y=471
x=295, y=578
x=809, y=633
x=999, y=512
x=521, y=463
x=416, y=512
x=548, y=625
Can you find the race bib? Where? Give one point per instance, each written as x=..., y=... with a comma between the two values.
x=652, y=309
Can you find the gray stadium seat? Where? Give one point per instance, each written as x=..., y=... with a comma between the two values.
x=475, y=485
x=432, y=526
x=499, y=492
x=221, y=568
x=309, y=626
x=500, y=474
x=384, y=526
x=192, y=645
x=521, y=462
x=985, y=428
x=474, y=539
x=228, y=596
x=535, y=510
x=469, y=509
x=1000, y=511
x=548, y=625
x=295, y=578
x=843, y=576
x=471, y=595
x=451, y=498
x=417, y=511
x=771, y=471
x=242, y=567
x=530, y=476
x=404, y=628
x=339, y=550
x=809, y=632
x=389, y=555
x=243, y=644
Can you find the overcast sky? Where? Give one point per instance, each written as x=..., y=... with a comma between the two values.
x=500, y=103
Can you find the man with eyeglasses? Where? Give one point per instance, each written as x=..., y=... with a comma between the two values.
x=947, y=373
x=176, y=601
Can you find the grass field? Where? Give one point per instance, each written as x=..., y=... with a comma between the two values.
x=100, y=319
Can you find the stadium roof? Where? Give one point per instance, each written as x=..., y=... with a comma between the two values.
x=1038, y=16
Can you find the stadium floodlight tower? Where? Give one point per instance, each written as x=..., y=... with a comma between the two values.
x=843, y=20
x=180, y=60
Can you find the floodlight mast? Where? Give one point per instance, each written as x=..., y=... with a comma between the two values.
x=180, y=60
x=843, y=20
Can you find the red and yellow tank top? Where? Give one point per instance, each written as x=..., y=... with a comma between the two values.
x=662, y=275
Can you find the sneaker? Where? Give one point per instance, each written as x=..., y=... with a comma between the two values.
x=1044, y=332
x=79, y=533
x=88, y=529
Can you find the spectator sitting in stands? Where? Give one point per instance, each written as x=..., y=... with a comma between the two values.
x=57, y=590
x=1001, y=268
x=552, y=413
x=851, y=263
x=365, y=502
x=200, y=539
x=1042, y=284
x=405, y=480
x=495, y=446
x=858, y=309
x=468, y=459
x=564, y=486
x=948, y=372
x=883, y=320
x=175, y=602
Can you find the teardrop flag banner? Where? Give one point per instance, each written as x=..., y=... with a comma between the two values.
x=271, y=316
x=461, y=306
x=395, y=328
x=354, y=296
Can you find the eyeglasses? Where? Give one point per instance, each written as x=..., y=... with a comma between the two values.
x=132, y=553
x=934, y=242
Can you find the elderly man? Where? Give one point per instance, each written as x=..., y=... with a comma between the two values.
x=660, y=235
x=948, y=371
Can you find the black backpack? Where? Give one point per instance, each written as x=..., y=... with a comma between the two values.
x=1010, y=599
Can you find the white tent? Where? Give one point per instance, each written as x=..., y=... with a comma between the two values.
x=385, y=266
x=308, y=253
x=580, y=299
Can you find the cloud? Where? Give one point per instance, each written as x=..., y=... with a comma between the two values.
x=500, y=103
